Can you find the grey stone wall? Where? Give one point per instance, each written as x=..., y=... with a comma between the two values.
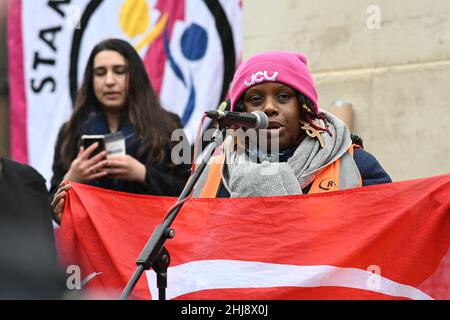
x=396, y=76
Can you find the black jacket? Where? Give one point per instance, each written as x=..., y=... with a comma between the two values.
x=28, y=265
x=164, y=179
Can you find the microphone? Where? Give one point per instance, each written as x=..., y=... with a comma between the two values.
x=252, y=120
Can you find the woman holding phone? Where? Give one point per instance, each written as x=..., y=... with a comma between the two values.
x=116, y=95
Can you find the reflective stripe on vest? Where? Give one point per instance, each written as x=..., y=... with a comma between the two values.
x=339, y=175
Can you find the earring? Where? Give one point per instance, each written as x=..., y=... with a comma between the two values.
x=313, y=132
x=305, y=107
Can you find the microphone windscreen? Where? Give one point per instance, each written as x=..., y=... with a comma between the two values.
x=263, y=119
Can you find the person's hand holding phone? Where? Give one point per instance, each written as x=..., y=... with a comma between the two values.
x=86, y=168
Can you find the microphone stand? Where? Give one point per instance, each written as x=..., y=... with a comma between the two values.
x=154, y=254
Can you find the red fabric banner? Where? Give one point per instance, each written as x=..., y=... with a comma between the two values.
x=380, y=242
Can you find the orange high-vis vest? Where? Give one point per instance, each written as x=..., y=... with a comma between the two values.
x=338, y=175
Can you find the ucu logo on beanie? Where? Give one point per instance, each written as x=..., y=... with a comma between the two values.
x=286, y=67
x=261, y=76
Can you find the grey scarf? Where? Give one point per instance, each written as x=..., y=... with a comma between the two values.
x=244, y=177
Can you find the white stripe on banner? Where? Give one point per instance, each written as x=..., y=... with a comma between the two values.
x=232, y=274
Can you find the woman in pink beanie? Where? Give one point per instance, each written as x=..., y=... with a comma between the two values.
x=314, y=151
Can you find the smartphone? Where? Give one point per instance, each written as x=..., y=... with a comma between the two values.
x=88, y=140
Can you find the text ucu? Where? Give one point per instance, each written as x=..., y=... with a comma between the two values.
x=260, y=76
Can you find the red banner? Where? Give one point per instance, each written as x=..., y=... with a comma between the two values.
x=380, y=242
